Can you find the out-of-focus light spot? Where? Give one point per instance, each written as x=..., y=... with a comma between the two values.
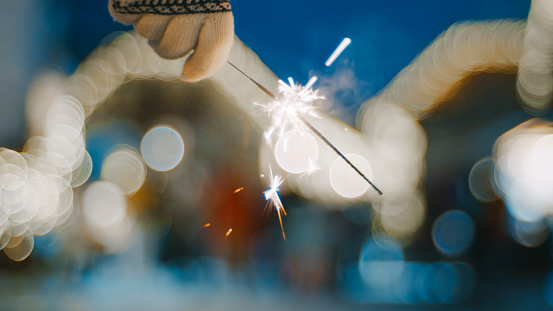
x=403, y=215
x=83, y=172
x=345, y=180
x=453, y=232
x=524, y=170
x=125, y=169
x=529, y=234
x=5, y=237
x=446, y=282
x=296, y=151
x=423, y=283
x=534, y=79
x=103, y=204
x=22, y=249
x=381, y=268
x=207, y=225
x=481, y=180
x=416, y=282
x=105, y=213
x=162, y=148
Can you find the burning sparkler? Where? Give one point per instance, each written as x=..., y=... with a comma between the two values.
x=289, y=109
x=293, y=103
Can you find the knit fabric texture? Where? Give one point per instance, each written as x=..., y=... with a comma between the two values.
x=170, y=7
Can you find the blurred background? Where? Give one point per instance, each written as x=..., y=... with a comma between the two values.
x=192, y=229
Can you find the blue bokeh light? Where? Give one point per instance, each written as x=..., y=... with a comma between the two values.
x=453, y=232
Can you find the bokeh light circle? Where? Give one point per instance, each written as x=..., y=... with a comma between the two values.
x=345, y=180
x=125, y=169
x=296, y=151
x=381, y=267
x=103, y=205
x=453, y=232
x=481, y=180
x=162, y=148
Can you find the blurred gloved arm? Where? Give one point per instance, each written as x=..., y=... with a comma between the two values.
x=176, y=27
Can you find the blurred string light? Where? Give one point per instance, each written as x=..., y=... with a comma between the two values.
x=524, y=170
x=382, y=275
x=390, y=120
x=535, y=72
x=124, y=168
x=104, y=209
x=37, y=183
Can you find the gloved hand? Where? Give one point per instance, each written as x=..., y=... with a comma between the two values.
x=175, y=27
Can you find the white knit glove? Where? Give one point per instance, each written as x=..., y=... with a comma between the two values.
x=176, y=27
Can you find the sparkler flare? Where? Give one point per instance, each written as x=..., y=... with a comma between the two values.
x=273, y=197
x=293, y=102
x=288, y=110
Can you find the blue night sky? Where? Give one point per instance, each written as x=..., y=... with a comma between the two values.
x=293, y=37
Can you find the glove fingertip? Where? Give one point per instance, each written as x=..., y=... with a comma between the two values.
x=212, y=50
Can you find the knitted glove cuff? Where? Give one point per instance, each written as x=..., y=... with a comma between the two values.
x=170, y=7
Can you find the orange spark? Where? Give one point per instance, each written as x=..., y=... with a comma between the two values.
x=280, y=219
x=239, y=189
x=207, y=225
x=228, y=232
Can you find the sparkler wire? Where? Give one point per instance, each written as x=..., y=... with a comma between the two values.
x=313, y=129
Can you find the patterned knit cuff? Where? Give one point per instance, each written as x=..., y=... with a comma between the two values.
x=170, y=7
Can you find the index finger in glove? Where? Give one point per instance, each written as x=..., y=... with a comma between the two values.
x=213, y=47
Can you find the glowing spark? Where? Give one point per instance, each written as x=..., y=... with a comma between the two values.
x=338, y=51
x=207, y=225
x=293, y=103
x=238, y=190
x=310, y=82
x=273, y=197
x=288, y=108
x=228, y=232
